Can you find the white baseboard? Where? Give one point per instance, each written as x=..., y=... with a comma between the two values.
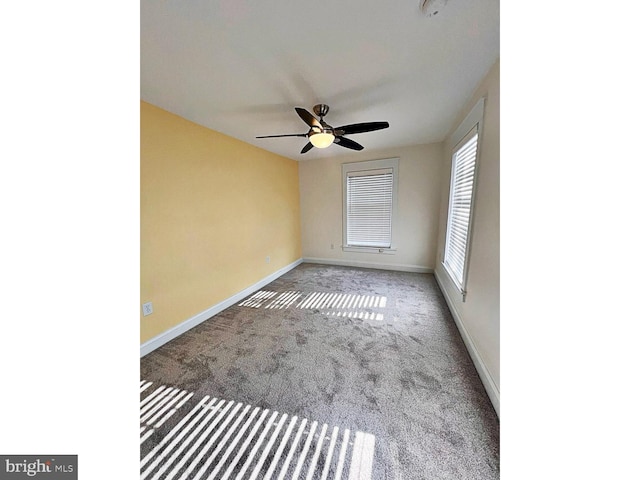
x=381, y=266
x=487, y=381
x=159, y=340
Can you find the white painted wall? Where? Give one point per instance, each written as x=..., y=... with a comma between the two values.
x=478, y=317
x=419, y=194
x=423, y=200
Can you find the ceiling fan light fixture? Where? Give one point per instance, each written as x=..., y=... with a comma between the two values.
x=322, y=140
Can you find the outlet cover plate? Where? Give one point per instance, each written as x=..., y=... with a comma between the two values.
x=147, y=309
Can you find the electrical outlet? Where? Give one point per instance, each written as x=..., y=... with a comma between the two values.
x=268, y=259
x=147, y=309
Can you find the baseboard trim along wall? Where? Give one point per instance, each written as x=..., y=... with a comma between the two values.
x=168, y=335
x=381, y=266
x=483, y=372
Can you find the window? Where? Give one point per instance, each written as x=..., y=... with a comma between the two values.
x=461, y=196
x=369, y=203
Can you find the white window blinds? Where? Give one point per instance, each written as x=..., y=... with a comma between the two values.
x=463, y=171
x=369, y=208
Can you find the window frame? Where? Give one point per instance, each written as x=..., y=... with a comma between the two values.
x=363, y=167
x=471, y=124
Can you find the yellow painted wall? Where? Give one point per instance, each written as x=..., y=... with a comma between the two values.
x=212, y=208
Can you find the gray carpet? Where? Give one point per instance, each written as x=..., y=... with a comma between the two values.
x=362, y=350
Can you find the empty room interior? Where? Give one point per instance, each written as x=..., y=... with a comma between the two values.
x=320, y=248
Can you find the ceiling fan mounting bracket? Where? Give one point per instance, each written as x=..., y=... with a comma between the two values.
x=321, y=109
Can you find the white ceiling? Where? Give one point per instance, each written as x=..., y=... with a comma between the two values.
x=240, y=67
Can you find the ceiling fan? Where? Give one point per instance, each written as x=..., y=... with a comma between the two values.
x=321, y=134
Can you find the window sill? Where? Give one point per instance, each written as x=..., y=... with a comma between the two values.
x=382, y=250
x=461, y=291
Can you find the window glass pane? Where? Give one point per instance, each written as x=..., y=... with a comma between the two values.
x=369, y=208
x=460, y=202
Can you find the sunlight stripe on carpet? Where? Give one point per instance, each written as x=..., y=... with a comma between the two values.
x=364, y=307
x=213, y=437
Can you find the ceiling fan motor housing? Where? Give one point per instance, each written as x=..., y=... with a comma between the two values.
x=321, y=110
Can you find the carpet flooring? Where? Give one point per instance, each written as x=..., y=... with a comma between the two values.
x=365, y=368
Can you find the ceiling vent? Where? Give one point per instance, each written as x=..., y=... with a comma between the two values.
x=432, y=7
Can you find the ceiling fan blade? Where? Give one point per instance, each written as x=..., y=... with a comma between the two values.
x=285, y=135
x=347, y=143
x=308, y=118
x=306, y=148
x=362, y=127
